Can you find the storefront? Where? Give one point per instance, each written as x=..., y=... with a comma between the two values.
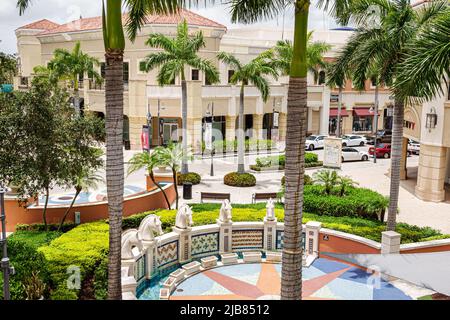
x=363, y=118
x=332, y=124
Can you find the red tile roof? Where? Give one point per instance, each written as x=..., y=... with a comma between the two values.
x=95, y=23
x=43, y=24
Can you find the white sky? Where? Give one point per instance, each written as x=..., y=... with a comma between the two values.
x=62, y=11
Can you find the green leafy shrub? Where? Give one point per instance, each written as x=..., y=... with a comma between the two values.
x=191, y=177
x=357, y=202
x=26, y=260
x=311, y=157
x=278, y=162
x=41, y=227
x=235, y=179
x=250, y=145
x=84, y=246
x=63, y=293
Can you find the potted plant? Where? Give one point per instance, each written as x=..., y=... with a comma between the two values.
x=34, y=287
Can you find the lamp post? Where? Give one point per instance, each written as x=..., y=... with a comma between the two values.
x=160, y=107
x=210, y=112
x=6, y=269
x=376, y=125
x=149, y=126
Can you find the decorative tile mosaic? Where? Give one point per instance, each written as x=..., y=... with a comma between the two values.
x=205, y=244
x=168, y=253
x=247, y=239
x=139, y=269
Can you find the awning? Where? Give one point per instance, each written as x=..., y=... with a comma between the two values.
x=364, y=112
x=334, y=112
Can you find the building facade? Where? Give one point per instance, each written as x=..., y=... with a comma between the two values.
x=263, y=120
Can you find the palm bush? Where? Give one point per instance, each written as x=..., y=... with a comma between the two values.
x=327, y=178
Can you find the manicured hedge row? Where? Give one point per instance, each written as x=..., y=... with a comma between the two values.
x=243, y=180
x=250, y=145
x=85, y=247
x=357, y=202
x=278, y=162
x=191, y=177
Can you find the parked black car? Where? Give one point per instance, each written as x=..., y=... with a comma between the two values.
x=383, y=136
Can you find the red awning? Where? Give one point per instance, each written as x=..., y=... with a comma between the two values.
x=334, y=112
x=363, y=112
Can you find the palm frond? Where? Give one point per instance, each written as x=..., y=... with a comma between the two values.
x=157, y=59
x=160, y=41
x=262, y=84
x=23, y=5
x=249, y=11
x=207, y=67
x=230, y=60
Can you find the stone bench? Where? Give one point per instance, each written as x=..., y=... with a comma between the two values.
x=209, y=262
x=170, y=284
x=178, y=275
x=273, y=256
x=229, y=258
x=164, y=294
x=192, y=267
x=252, y=256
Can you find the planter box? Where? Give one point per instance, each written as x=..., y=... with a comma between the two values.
x=170, y=284
x=253, y=256
x=209, y=262
x=192, y=267
x=164, y=294
x=229, y=258
x=273, y=256
x=178, y=275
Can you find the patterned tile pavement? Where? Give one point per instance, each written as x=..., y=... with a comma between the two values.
x=323, y=280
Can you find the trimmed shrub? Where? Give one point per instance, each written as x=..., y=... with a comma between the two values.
x=357, y=202
x=42, y=228
x=191, y=177
x=235, y=179
x=85, y=247
x=25, y=259
x=250, y=145
x=311, y=157
x=278, y=162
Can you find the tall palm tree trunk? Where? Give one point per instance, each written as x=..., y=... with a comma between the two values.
x=77, y=192
x=76, y=97
x=241, y=136
x=44, y=212
x=291, y=274
x=152, y=177
x=396, y=156
x=114, y=166
x=184, y=164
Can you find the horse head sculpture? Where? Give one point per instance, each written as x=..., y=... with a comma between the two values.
x=183, y=219
x=225, y=211
x=150, y=226
x=270, y=210
x=130, y=242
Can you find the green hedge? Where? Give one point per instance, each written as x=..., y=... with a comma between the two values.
x=243, y=180
x=357, y=202
x=250, y=145
x=191, y=177
x=278, y=162
x=85, y=246
x=371, y=229
x=43, y=228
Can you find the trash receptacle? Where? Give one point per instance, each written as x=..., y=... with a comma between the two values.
x=187, y=191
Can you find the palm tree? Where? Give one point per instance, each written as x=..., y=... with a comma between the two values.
x=172, y=156
x=314, y=54
x=327, y=178
x=254, y=73
x=382, y=46
x=427, y=62
x=114, y=41
x=86, y=179
x=72, y=66
x=177, y=54
x=345, y=182
x=148, y=161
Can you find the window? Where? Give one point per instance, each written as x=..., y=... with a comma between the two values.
x=321, y=77
x=142, y=66
x=195, y=75
x=373, y=82
x=126, y=68
x=230, y=74
x=103, y=69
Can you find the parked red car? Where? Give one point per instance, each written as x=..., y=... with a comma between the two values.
x=383, y=150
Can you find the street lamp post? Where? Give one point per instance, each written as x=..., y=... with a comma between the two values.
x=160, y=107
x=149, y=126
x=5, y=266
x=212, y=139
x=376, y=126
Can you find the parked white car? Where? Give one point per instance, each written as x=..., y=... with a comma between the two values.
x=353, y=141
x=352, y=154
x=413, y=147
x=315, y=142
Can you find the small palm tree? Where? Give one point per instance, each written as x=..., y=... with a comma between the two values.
x=177, y=54
x=148, y=161
x=86, y=179
x=253, y=72
x=345, y=182
x=327, y=178
x=172, y=156
x=314, y=53
x=73, y=65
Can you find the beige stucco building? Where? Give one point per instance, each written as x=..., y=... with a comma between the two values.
x=37, y=41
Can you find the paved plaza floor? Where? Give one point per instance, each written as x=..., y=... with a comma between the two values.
x=324, y=280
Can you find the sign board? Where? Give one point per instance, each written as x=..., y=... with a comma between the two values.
x=332, y=153
x=208, y=136
x=145, y=138
x=334, y=97
x=276, y=116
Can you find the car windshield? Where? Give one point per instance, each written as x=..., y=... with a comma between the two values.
x=311, y=138
x=382, y=145
x=345, y=137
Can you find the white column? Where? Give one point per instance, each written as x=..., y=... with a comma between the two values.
x=270, y=234
x=390, y=242
x=184, y=244
x=150, y=256
x=325, y=110
x=312, y=238
x=225, y=236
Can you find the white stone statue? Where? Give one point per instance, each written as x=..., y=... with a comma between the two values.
x=150, y=226
x=270, y=210
x=225, y=211
x=183, y=219
x=131, y=244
